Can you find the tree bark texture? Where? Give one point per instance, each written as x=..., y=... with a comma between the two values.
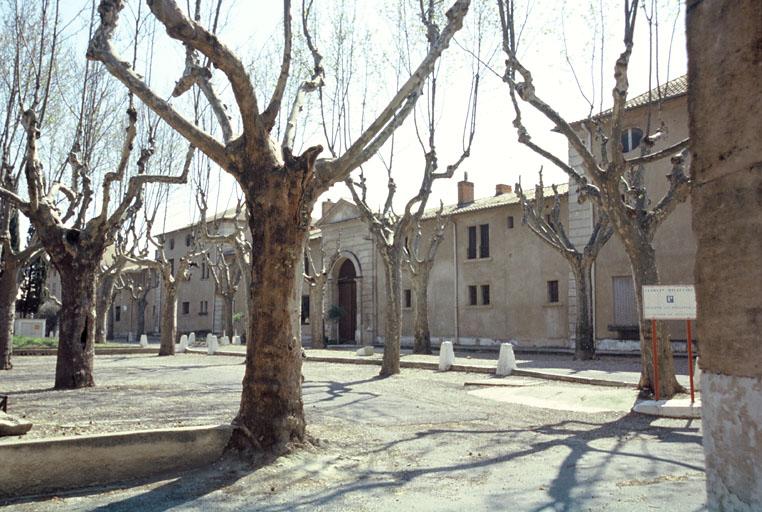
x=74, y=365
x=227, y=314
x=168, y=319
x=584, y=341
x=271, y=413
x=8, y=292
x=420, y=281
x=103, y=307
x=645, y=272
x=390, y=364
x=317, y=320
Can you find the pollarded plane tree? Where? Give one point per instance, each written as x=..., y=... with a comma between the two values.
x=109, y=275
x=421, y=253
x=550, y=229
x=227, y=279
x=138, y=285
x=317, y=274
x=420, y=250
x=614, y=183
x=29, y=54
x=153, y=257
x=280, y=187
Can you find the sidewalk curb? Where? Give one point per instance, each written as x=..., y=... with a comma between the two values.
x=98, y=351
x=43, y=466
x=422, y=365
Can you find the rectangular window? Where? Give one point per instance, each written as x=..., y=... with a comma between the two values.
x=510, y=222
x=203, y=308
x=485, y=294
x=171, y=244
x=472, y=296
x=625, y=305
x=484, y=245
x=408, y=298
x=117, y=313
x=186, y=308
x=552, y=292
x=306, y=265
x=471, y=243
x=305, y=309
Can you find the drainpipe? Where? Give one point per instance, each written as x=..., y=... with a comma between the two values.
x=455, y=262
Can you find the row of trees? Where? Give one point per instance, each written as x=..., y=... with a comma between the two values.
x=78, y=210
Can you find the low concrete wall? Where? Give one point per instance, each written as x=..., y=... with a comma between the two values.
x=47, y=465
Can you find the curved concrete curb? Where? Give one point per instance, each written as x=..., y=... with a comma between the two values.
x=47, y=465
x=422, y=365
x=98, y=352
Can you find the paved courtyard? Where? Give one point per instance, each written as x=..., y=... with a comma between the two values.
x=418, y=441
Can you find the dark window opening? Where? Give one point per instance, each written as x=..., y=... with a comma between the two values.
x=510, y=222
x=631, y=139
x=484, y=246
x=408, y=298
x=117, y=313
x=552, y=292
x=472, y=295
x=203, y=308
x=471, y=242
x=305, y=309
x=186, y=308
x=171, y=244
x=485, y=294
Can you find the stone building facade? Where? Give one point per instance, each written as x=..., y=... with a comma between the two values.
x=493, y=280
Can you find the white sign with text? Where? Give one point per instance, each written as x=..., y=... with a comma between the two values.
x=669, y=302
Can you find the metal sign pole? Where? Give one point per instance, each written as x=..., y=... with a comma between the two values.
x=690, y=358
x=655, y=358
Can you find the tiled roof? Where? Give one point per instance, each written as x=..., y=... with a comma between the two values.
x=492, y=202
x=667, y=90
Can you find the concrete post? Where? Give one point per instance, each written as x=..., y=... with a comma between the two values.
x=183, y=343
x=724, y=73
x=143, y=341
x=506, y=361
x=446, y=356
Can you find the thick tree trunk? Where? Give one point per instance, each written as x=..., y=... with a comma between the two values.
x=645, y=273
x=392, y=327
x=74, y=365
x=142, y=303
x=584, y=338
x=227, y=314
x=8, y=292
x=271, y=414
x=422, y=343
x=103, y=307
x=317, y=320
x=168, y=320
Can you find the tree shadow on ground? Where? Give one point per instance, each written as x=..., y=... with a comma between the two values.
x=336, y=390
x=562, y=489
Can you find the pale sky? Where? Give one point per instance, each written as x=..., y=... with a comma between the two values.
x=251, y=28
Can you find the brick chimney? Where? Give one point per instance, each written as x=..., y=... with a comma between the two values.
x=327, y=204
x=503, y=189
x=465, y=191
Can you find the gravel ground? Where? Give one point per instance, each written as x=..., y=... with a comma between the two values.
x=417, y=441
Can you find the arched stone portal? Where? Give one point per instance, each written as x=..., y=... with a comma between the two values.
x=347, y=300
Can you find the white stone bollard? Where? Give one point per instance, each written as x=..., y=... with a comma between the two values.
x=212, y=345
x=143, y=341
x=191, y=339
x=365, y=351
x=183, y=343
x=697, y=376
x=224, y=340
x=446, y=356
x=506, y=362
x=236, y=340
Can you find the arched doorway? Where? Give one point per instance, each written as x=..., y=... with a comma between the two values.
x=347, y=301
